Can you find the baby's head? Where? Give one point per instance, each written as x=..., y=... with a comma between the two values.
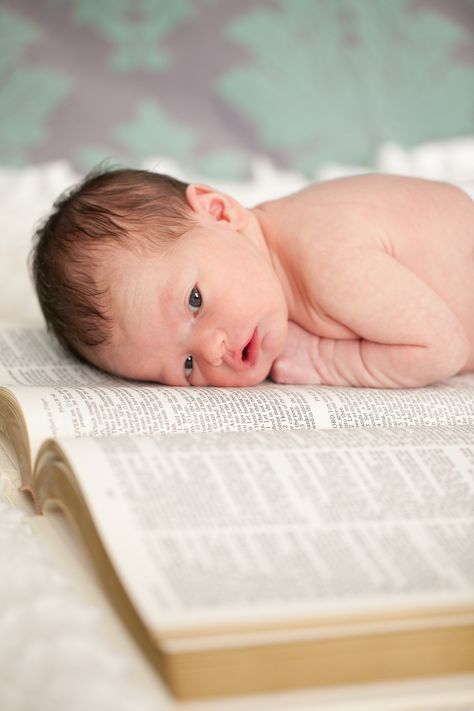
x=151, y=278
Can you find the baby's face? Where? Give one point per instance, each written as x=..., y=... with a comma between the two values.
x=210, y=311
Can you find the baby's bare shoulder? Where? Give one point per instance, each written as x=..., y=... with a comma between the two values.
x=380, y=185
x=376, y=210
x=370, y=191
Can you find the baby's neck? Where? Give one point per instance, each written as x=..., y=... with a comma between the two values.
x=262, y=238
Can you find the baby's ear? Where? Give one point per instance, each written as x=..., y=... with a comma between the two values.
x=210, y=203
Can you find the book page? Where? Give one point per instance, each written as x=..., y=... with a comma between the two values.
x=310, y=524
x=129, y=408
x=31, y=356
x=61, y=397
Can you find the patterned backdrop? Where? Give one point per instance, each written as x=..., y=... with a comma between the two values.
x=212, y=83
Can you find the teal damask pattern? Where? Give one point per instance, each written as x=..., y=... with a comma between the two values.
x=331, y=79
x=153, y=133
x=28, y=95
x=213, y=83
x=136, y=28
x=150, y=133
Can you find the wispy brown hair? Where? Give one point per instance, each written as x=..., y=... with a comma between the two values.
x=109, y=208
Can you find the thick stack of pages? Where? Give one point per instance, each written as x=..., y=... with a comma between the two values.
x=263, y=538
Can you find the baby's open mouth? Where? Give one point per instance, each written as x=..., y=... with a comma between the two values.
x=250, y=350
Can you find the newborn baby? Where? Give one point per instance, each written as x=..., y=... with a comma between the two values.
x=366, y=281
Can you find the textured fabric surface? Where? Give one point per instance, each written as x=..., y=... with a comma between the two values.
x=48, y=632
x=52, y=650
x=212, y=83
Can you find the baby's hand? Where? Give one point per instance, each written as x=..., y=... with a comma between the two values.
x=294, y=365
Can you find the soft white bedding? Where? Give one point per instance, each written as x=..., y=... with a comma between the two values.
x=54, y=649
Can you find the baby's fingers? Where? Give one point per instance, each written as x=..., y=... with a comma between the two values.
x=286, y=370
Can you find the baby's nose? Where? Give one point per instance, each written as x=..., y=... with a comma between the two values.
x=212, y=345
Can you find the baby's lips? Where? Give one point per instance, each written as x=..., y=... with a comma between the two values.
x=250, y=351
x=245, y=357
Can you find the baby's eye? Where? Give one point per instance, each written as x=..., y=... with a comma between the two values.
x=195, y=299
x=188, y=366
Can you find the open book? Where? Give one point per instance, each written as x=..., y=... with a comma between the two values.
x=263, y=538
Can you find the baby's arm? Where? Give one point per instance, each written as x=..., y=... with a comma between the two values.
x=408, y=335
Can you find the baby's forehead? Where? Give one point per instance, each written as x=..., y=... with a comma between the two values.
x=136, y=254
x=128, y=273
x=121, y=272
